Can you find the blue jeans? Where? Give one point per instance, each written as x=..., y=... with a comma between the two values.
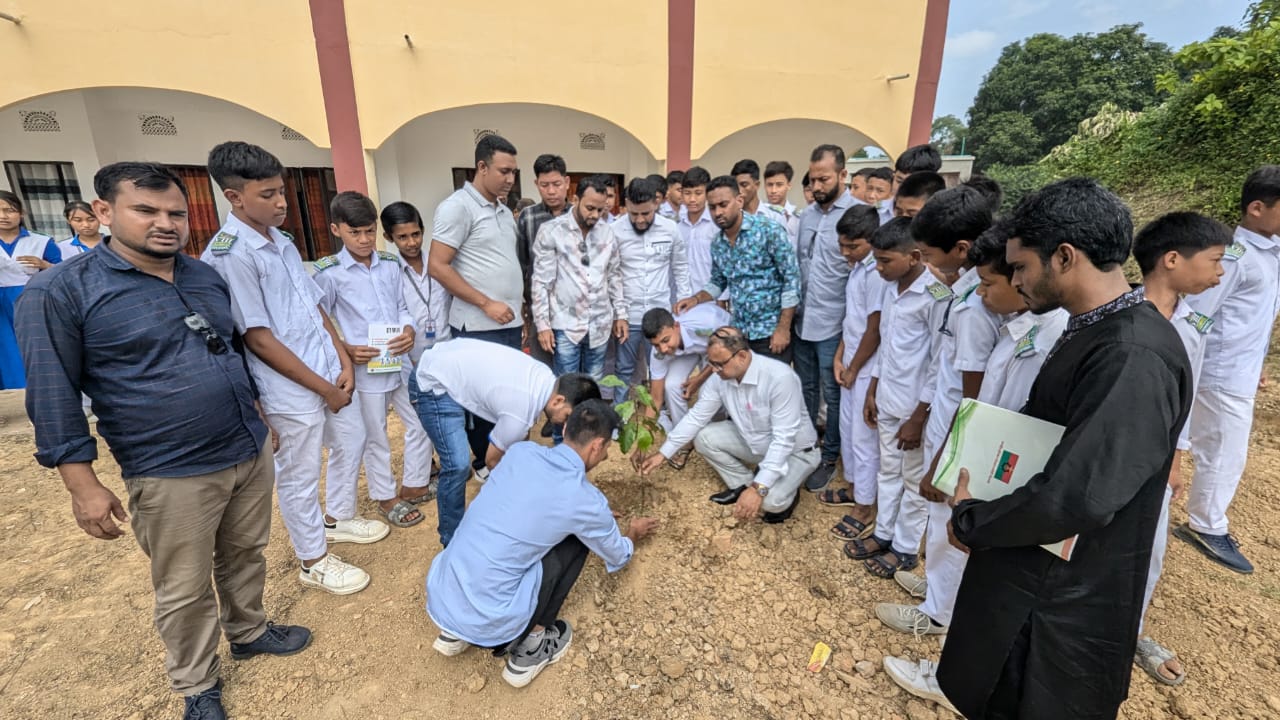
x=814, y=361
x=446, y=424
x=630, y=354
x=578, y=357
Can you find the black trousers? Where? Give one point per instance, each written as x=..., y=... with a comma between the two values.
x=478, y=428
x=761, y=347
x=560, y=569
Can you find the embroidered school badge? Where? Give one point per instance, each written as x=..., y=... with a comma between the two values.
x=222, y=242
x=939, y=291
x=1235, y=251
x=1027, y=345
x=1200, y=322
x=325, y=263
x=388, y=256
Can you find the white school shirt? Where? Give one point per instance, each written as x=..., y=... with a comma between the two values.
x=1024, y=342
x=697, y=240
x=356, y=297
x=1243, y=307
x=428, y=303
x=696, y=325
x=863, y=295
x=270, y=288
x=654, y=263
x=965, y=340
x=1193, y=329
x=790, y=219
x=907, y=331
x=498, y=383
x=582, y=301
x=767, y=408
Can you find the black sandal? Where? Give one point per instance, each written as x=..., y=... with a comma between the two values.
x=857, y=549
x=841, y=497
x=851, y=528
x=883, y=567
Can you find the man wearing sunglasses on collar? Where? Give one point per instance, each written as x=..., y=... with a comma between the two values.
x=768, y=429
x=145, y=332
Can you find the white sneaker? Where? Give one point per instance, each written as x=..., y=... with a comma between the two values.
x=914, y=584
x=356, y=530
x=333, y=575
x=919, y=679
x=449, y=645
x=908, y=619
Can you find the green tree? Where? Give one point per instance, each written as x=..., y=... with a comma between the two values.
x=948, y=135
x=1054, y=83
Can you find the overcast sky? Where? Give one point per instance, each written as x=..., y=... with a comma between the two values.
x=978, y=29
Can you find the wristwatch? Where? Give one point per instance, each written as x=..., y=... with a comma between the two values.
x=764, y=491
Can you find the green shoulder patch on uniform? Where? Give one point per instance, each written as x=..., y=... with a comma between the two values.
x=967, y=293
x=222, y=242
x=1201, y=322
x=704, y=332
x=325, y=263
x=388, y=256
x=288, y=235
x=939, y=291
x=1235, y=251
x=869, y=260
x=1027, y=345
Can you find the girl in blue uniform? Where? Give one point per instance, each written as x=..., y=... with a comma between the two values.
x=86, y=232
x=25, y=254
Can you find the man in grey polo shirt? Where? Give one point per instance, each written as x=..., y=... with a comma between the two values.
x=824, y=274
x=473, y=250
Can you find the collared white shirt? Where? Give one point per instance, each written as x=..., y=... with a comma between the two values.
x=1023, y=344
x=498, y=383
x=1243, y=307
x=580, y=300
x=964, y=343
x=1193, y=329
x=655, y=264
x=864, y=294
x=908, y=336
x=823, y=270
x=886, y=211
x=767, y=408
x=428, y=303
x=356, y=297
x=270, y=288
x=671, y=213
x=790, y=219
x=696, y=325
x=697, y=239
x=484, y=234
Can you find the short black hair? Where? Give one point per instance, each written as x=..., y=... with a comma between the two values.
x=73, y=206
x=599, y=183
x=918, y=158
x=804, y=181
x=779, y=167
x=746, y=167
x=143, y=175
x=1077, y=212
x=548, y=164
x=730, y=338
x=864, y=173
x=576, y=388
x=400, y=213
x=989, y=248
x=1185, y=233
x=922, y=184
x=823, y=150
x=894, y=235
x=490, y=144
x=881, y=173
x=232, y=164
x=591, y=420
x=641, y=190
x=675, y=177
x=989, y=188
x=659, y=183
x=858, y=222
x=656, y=320
x=12, y=198
x=961, y=213
x=352, y=209
x=723, y=181
x=696, y=176
x=1262, y=184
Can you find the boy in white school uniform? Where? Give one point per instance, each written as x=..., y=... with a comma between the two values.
x=363, y=292
x=899, y=397
x=945, y=230
x=1024, y=341
x=854, y=360
x=304, y=377
x=1243, y=309
x=1179, y=254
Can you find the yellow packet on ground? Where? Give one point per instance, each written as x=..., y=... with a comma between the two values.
x=818, y=660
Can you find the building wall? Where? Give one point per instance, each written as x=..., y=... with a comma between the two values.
x=73, y=143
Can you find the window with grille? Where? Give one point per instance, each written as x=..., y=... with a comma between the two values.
x=202, y=209
x=310, y=190
x=45, y=189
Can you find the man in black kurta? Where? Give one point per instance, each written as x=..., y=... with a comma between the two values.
x=1034, y=636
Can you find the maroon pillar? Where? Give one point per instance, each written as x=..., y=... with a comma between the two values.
x=680, y=14
x=337, y=83
x=935, y=37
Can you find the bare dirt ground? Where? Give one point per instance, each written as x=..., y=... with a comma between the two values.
x=711, y=620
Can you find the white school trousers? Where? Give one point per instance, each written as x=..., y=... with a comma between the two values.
x=362, y=435
x=298, y=480
x=859, y=443
x=675, y=407
x=1220, y=425
x=943, y=566
x=901, y=515
x=1158, y=547
x=722, y=446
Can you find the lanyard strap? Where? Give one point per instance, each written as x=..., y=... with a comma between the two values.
x=414, y=282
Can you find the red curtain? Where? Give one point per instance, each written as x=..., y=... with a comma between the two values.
x=317, y=211
x=202, y=210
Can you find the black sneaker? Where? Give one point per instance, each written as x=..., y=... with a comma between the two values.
x=275, y=640
x=205, y=706
x=821, y=476
x=524, y=665
x=1222, y=549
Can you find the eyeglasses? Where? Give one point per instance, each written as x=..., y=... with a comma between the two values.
x=582, y=248
x=212, y=340
x=718, y=366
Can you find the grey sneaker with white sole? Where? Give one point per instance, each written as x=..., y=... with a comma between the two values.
x=523, y=665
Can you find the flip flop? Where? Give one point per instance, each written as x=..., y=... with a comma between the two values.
x=396, y=515
x=1151, y=656
x=851, y=528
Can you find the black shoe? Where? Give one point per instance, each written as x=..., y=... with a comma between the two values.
x=205, y=706
x=772, y=517
x=1222, y=549
x=275, y=640
x=547, y=429
x=727, y=497
x=821, y=476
